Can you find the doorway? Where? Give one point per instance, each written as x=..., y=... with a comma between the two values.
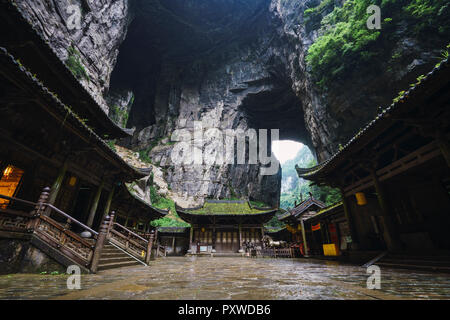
x=82, y=205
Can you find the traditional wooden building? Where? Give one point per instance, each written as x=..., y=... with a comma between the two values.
x=327, y=232
x=52, y=134
x=294, y=219
x=221, y=226
x=175, y=240
x=394, y=174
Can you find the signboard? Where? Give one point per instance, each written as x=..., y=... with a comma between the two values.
x=315, y=227
x=203, y=248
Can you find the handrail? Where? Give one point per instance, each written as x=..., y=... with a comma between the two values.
x=19, y=200
x=70, y=218
x=52, y=207
x=129, y=231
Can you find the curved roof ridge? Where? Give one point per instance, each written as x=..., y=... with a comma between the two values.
x=384, y=114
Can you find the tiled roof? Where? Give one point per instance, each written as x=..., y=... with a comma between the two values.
x=327, y=209
x=95, y=114
x=301, y=208
x=15, y=68
x=173, y=229
x=226, y=207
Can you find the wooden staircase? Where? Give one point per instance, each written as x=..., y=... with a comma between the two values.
x=49, y=229
x=113, y=257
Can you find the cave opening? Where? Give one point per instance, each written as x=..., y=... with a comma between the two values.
x=289, y=153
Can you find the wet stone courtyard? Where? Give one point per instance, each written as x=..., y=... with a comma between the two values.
x=231, y=278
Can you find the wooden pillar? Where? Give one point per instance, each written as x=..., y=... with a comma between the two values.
x=305, y=244
x=109, y=201
x=99, y=244
x=173, y=245
x=191, y=233
x=56, y=187
x=240, y=238
x=349, y=218
x=149, y=248
x=39, y=209
x=261, y=237
x=214, y=239
x=445, y=149
x=111, y=221
x=126, y=220
x=389, y=235
x=90, y=220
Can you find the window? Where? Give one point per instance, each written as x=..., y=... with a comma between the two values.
x=8, y=184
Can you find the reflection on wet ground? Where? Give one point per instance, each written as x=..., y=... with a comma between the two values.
x=231, y=278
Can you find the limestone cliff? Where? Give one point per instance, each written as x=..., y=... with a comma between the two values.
x=232, y=64
x=94, y=42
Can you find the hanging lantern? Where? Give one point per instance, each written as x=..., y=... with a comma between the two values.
x=299, y=227
x=72, y=181
x=203, y=229
x=361, y=198
x=7, y=172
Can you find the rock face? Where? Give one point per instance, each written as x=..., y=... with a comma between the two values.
x=102, y=28
x=229, y=64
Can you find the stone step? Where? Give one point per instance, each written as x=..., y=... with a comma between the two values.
x=114, y=255
x=114, y=265
x=112, y=258
x=110, y=250
x=106, y=260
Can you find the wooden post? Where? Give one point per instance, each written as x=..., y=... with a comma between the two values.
x=149, y=247
x=56, y=187
x=191, y=234
x=305, y=244
x=173, y=245
x=43, y=198
x=445, y=149
x=214, y=239
x=109, y=201
x=348, y=217
x=39, y=209
x=99, y=244
x=111, y=221
x=240, y=238
x=90, y=220
x=389, y=235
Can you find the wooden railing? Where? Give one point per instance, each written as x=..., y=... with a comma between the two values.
x=161, y=251
x=85, y=252
x=275, y=252
x=130, y=242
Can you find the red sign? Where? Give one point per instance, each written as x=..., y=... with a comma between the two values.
x=315, y=227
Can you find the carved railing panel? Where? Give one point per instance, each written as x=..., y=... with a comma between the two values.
x=48, y=230
x=15, y=221
x=129, y=241
x=66, y=241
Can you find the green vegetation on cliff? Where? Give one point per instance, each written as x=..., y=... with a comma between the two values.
x=172, y=219
x=345, y=42
x=75, y=65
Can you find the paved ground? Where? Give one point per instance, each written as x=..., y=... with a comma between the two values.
x=231, y=278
